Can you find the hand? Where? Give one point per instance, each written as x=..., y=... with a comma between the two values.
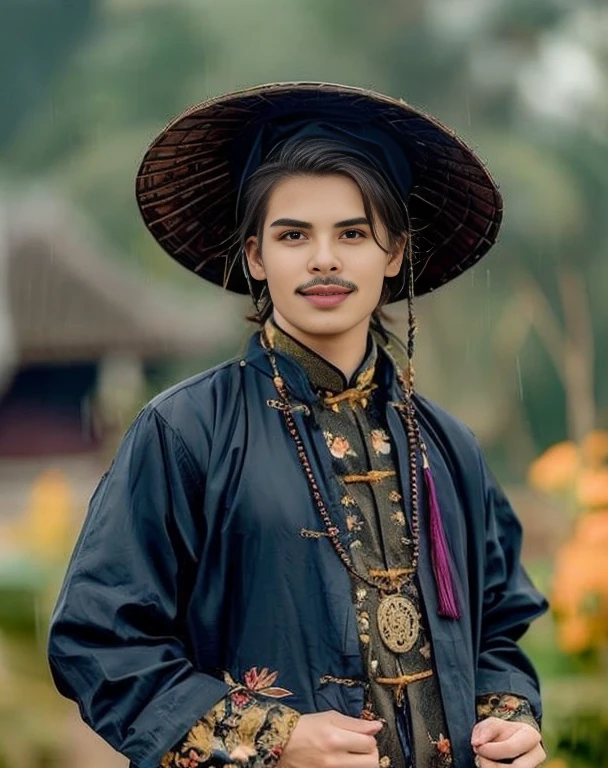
x=495, y=740
x=332, y=740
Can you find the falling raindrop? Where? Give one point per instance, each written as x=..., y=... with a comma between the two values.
x=520, y=385
x=40, y=622
x=487, y=302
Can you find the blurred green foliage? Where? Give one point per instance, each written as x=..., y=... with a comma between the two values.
x=93, y=86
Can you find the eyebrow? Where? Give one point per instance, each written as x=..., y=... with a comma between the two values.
x=307, y=225
x=351, y=222
x=291, y=223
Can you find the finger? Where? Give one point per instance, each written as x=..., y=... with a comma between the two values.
x=481, y=762
x=356, y=724
x=520, y=742
x=341, y=740
x=532, y=759
x=490, y=729
x=361, y=761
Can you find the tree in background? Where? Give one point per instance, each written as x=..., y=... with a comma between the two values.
x=37, y=41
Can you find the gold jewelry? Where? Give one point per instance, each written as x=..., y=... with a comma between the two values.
x=398, y=623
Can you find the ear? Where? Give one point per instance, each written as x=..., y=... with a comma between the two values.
x=395, y=258
x=254, y=259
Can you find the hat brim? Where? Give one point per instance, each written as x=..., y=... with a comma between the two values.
x=187, y=194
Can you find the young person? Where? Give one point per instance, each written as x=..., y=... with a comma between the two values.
x=295, y=558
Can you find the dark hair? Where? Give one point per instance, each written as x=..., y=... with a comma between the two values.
x=321, y=157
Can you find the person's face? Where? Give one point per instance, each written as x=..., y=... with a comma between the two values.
x=324, y=269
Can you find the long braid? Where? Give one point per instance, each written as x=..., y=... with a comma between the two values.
x=448, y=605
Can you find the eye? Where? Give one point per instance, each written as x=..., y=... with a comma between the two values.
x=352, y=234
x=293, y=236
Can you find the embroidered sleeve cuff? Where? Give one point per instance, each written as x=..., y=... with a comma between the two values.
x=242, y=729
x=506, y=706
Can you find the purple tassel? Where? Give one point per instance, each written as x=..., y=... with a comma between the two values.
x=448, y=605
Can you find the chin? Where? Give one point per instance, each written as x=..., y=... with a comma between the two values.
x=326, y=322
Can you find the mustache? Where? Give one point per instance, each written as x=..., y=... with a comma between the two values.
x=327, y=281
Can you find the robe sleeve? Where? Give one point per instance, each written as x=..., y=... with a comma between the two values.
x=242, y=729
x=506, y=706
x=117, y=642
x=510, y=603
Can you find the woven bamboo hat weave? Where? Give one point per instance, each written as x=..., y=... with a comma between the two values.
x=189, y=181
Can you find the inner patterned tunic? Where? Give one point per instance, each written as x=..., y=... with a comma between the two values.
x=401, y=685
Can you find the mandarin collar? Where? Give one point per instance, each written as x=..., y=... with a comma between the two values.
x=322, y=375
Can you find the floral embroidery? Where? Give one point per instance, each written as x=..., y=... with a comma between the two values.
x=263, y=681
x=239, y=730
x=425, y=651
x=380, y=442
x=347, y=501
x=339, y=447
x=506, y=706
x=395, y=497
x=361, y=594
x=398, y=517
x=240, y=698
x=443, y=755
x=363, y=622
x=354, y=523
x=443, y=744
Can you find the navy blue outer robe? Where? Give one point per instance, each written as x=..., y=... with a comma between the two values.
x=190, y=562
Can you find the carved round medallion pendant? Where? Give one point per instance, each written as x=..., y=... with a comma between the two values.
x=398, y=623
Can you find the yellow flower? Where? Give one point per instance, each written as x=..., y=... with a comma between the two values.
x=46, y=529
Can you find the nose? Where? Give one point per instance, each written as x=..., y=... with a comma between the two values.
x=324, y=259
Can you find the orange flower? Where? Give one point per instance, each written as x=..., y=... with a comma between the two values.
x=595, y=448
x=592, y=529
x=555, y=471
x=592, y=488
x=580, y=586
x=580, y=581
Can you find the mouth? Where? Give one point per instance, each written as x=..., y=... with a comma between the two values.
x=326, y=295
x=325, y=290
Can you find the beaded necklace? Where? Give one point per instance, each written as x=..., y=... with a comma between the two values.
x=396, y=613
